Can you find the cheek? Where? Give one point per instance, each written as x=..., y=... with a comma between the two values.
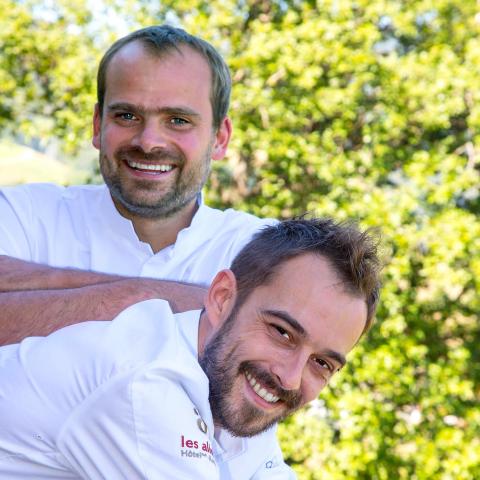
x=259, y=345
x=312, y=387
x=189, y=143
x=114, y=136
x=195, y=142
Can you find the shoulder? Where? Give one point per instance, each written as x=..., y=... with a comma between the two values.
x=137, y=336
x=94, y=352
x=46, y=194
x=232, y=216
x=213, y=240
x=239, y=226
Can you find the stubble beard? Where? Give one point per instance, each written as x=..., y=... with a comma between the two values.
x=186, y=188
x=238, y=416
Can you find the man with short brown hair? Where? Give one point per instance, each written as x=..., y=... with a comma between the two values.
x=76, y=253
x=157, y=395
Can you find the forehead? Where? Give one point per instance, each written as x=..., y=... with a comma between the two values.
x=173, y=75
x=309, y=290
x=139, y=53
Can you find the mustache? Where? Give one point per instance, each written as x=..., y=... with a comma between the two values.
x=136, y=153
x=291, y=398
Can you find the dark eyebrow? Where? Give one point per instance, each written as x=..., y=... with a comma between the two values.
x=286, y=317
x=295, y=325
x=338, y=357
x=125, y=106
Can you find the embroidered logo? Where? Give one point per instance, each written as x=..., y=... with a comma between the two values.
x=196, y=449
x=200, y=422
x=192, y=448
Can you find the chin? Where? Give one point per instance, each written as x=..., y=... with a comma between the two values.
x=247, y=421
x=248, y=431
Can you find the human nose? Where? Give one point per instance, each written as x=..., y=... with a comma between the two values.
x=149, y=137
x=289, y=371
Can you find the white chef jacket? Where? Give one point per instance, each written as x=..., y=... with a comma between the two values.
x=80, y=227
x=116, y=400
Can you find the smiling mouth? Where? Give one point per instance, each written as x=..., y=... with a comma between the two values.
x=150, y=167
x=259, y=390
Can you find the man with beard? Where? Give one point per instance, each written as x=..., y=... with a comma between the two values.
x=88, y=252
x=158, y=395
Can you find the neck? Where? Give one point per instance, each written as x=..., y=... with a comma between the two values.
x=160, y=232
x=204, y=331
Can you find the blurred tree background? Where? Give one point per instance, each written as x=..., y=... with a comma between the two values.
x=366, y=109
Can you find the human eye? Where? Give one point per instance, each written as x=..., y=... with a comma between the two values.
x=323, y=365
x=280, y=331
x=179, y=122
x=125, y=117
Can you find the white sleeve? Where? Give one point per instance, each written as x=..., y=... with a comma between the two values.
x=137, y=426
x=13, y=235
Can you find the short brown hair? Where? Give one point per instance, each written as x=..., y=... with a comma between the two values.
x=162, y=39
x=352, y=253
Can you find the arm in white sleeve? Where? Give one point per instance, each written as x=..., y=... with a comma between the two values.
x=37, y=299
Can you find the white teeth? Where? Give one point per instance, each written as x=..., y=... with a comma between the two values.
x=260, y=391
x=271, y=398
x=150, y=166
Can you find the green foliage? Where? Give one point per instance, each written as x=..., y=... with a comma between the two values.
x=47, y=71
x=363, y=109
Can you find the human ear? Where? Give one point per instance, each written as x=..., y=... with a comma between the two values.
x=97, y=123
x=220, y=298
x=222, y=138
